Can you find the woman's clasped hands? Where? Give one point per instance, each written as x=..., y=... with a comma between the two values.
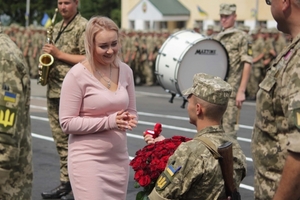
x=125, y=120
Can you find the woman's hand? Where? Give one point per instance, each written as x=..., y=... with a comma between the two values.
x=132, y=122
x=125, y=120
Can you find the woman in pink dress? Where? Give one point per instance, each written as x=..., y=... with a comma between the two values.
x=97, y=106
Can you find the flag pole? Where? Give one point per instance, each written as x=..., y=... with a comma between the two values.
x=256, y=14
x=27, y=12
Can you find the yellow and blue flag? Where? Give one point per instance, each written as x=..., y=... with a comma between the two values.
x=46, y=21
x=201, y=11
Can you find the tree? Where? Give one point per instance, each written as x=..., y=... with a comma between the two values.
x=111, y=9
x=16, y=9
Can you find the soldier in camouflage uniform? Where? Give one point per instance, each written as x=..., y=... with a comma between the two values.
x=67, y=51
x=279, y=41
x=197, y=172
x=258, y=54
x=269, y=51
x=15, y=128
x=240, y=60
x=276, y=134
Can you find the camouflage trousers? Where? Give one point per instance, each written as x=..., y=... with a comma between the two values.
x=16, y=181
x=148, y=72
x=264, y=188
x=33, y=65
x=229, y=120
x=60, y=138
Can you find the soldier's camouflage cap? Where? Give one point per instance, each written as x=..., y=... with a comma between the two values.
x=209, y=88
x=227, y=9
x=210, y=27
x=254, y=31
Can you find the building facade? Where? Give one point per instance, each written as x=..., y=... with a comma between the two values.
x=173, y=14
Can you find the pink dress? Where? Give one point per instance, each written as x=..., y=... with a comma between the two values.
x=98, y=161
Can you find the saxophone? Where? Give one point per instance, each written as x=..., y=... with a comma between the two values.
x=46, y=59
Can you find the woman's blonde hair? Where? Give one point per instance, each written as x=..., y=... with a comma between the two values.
x=95, y=25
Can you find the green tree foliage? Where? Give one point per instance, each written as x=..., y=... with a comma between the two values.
x=111, y=9
x=16, y=10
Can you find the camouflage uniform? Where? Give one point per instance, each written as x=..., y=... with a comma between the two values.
x=277, y=127
x=15, y=128
x=71, y=41
x=197, y=172
x=236, y=43
x=256, y=75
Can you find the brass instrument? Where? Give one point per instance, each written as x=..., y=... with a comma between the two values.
x=46, y=59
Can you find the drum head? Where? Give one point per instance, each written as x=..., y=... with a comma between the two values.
x=186, y=53
x=207, y=56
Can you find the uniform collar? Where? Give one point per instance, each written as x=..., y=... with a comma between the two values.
x=210, y=130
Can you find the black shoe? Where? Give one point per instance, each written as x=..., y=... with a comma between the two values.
x=63, y=189
x=68, y=196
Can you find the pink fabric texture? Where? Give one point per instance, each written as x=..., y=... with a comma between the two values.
x=98, y=160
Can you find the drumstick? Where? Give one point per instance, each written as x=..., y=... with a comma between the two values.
x=236, y=126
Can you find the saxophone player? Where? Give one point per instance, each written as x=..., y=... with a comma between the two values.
x=67, y=49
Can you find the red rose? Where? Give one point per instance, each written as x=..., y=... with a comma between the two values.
x=136, y=164
x=144, y=181
x=138, y=175
x=151, y=160
x=154, y=175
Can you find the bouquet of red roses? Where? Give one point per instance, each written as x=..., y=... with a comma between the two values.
x=151, y=161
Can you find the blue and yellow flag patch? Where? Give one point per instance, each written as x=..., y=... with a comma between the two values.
x=166, y=177
x=10, y=97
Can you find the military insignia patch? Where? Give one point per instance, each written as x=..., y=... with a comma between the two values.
x=297, y=118
x=166, y=178
x=11, y=97
x=250, y=52
x=162, y=182
x=7, y=117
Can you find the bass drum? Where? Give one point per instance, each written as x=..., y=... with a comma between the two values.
x=186, y=53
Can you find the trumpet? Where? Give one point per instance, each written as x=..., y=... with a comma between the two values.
x=46, y=59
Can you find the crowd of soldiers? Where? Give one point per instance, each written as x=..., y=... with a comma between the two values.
x=265, y=44
x=140, y=49
x=30, y=40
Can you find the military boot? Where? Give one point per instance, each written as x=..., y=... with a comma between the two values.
x=63, y=189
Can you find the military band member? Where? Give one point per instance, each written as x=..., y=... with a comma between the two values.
x=67, y=50
x=240, y=61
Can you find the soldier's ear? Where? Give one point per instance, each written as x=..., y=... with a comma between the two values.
x=199, y=109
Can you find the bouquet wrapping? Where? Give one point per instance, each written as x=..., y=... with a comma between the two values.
x=151, y=161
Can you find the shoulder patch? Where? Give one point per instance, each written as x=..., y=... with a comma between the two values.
x=166, y=178
x=249, y=51
x=162, y=182
x=10, y=97
x=7, y=117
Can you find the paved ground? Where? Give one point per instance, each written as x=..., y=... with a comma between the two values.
x=153, y=106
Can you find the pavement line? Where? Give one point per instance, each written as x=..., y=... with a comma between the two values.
x=167, y=95
x=157, y=115
x=152, y=124
x=247, y=187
